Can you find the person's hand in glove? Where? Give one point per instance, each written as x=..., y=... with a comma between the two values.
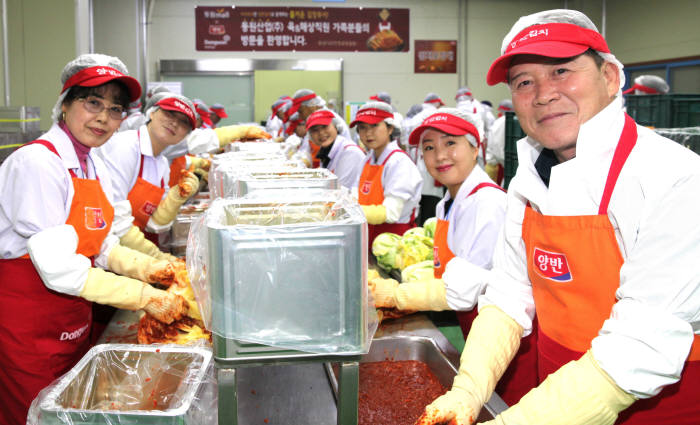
x=429, y=295
x=231, y=133
x=177, y=195
x=492, y=342
x=201, y=166
x=136, y=240
x=579, y=393
x=129, y=262
x=375, y=214
x=123, y=292
x=164, y=306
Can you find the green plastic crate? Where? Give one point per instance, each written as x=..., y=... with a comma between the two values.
x=664, y=110
x=513, y=134
x=687, y=136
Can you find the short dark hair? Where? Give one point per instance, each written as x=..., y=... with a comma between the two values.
x=596, y=57
x=81, y=92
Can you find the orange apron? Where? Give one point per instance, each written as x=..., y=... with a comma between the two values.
x=574, y=265
x=178, y=164
x=144, y=198
x=521, y=375
x=45, y=333
x=371, y=192
x=315, y=162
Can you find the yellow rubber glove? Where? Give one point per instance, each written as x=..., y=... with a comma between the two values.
x=383, y=292
x=492, y=171
x=136, y=240
x=427, y=295
x=137, y=265
x=232, y=133
x=177, y=195
x=490, y=347
x=122, y=292
x=199, y=163
x=375, y=214
x=579, y=393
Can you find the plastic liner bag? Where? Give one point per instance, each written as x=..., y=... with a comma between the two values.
x=286, y=269
x=262, y=146
x=132, y=384
x=228, y=169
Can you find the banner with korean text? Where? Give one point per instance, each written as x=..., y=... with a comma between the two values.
x=435, y=56
x=318, y=29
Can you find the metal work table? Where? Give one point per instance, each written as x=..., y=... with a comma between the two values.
x=298, y=393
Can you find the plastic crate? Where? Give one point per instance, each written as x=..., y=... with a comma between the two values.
x=513, y=134
x=688, y=136
x=664, y=110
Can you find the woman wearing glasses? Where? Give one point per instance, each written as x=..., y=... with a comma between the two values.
x=140, y=173
x=56, y=220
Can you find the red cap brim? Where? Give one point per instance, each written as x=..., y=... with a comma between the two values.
x=191, y=119
x=498, y=71
x=414, y=138
x=312, y=121
x=132, y=84
x=369, y=119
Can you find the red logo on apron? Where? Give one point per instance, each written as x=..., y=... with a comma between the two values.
x=366, y=186
x=551, y=265
x=94, y=219
x=436, y=258
x=148, y=208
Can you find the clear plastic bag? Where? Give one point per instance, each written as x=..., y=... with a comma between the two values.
x=285, y=269
x=132, y=384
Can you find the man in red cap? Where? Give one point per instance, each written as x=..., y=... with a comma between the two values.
x=599, y=239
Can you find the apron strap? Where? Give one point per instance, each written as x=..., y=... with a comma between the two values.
x=627, y=141
x=48, y=145
x=486, y=184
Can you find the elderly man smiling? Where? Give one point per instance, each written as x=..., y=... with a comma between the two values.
x=600, y=239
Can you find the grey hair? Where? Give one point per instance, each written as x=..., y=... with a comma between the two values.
x=78, y=64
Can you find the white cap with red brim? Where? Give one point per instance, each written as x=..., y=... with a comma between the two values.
x=449, y=121
x=559, y=33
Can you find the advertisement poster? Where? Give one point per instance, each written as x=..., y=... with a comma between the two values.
x=310, y=29
x=435, y=56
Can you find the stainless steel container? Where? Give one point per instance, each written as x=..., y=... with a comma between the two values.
x=234, y=185
x=129, y=384
x=289, y=274
x=181, y=226
x=19, y=119
x=259, y=147
x=423, y=349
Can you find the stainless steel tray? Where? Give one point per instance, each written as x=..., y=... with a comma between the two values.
x=128, y=384
x=259, y=147
x=239, y=184
x=422, y=349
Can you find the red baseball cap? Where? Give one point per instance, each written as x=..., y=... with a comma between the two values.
x=97, y=75
x=176, y=105
x=219, y=110
x=204, y=114
x=371, y=116
x=447, y=123
x=320, y=117
x=554, y=40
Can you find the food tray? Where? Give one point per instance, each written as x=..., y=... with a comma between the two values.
x=424, y=349
x=258, y=146
x=129, y=384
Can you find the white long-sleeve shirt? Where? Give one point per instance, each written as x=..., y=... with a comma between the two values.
x=346, y=161
x=654, y=211
x=400, y=179
x=475, y=226
x=122, y=155
x=36, y=190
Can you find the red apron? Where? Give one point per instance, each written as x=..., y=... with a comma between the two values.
x=44, y=333
x=574, y=265
x=178, y=164
x=371, y=192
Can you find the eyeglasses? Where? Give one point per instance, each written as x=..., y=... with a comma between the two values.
x=178, y=117
x=94, y=105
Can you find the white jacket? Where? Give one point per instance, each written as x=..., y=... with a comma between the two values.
x=654, y=210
